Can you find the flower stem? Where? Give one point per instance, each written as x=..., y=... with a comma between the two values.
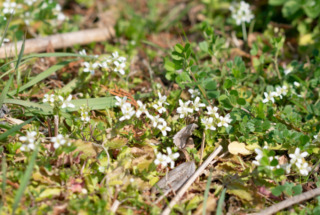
x=244, y=32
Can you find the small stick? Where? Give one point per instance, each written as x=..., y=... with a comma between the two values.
x=58, y=41
x=56, y=125
x=202, y=146
x=289, y=202
x=185, y=187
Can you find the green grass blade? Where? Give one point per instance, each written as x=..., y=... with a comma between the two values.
x=220, y=202
x=5, y=91
x=58, y=54
x=25, y=180
x=45, y=109
x=14, y=129
x=42, y=75
x=18, y=74
x=206, y=193
x=6, y=29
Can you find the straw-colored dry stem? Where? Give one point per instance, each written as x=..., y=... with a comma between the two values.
x=185, y=187
x=58, y=41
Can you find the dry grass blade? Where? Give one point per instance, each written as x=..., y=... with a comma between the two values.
x=289, y=202
x=185, y=187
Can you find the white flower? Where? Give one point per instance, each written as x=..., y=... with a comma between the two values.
x=101, y=169
x=84, y=115
x=194, y=92
x=269, y=97
x=286, y=167
x=158, y=106
x=67, y=103
x=224, y=121
x=172, y=157
x=183, y=110
x=208, y=123
x=127, y=111
x=120, y=102
x=288, y=70
x=212, y=112
x=297, y=84
x=283, y=90
x=164, y=128
x=162, y=159
x=106, y=62
x=90, y=67
x=83, y=52
x=304, y=168
x=9, y=7
x=58, y=141
x=115, y=55
x=162, y=99
x=119, y=67
x=297, y=157
x=49, y=99
x=30, y=2
x=241, y=13
x=30, y=137
x=196, y=104
x=142, y=108
x=156, y=120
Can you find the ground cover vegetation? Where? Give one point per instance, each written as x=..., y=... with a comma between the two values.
x=117, y=127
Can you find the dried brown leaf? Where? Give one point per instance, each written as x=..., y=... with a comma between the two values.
x=180, y=138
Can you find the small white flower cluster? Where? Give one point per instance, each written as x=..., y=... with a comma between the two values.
x=84, y=111
x=184, y=108
x=241, y=12
x=128, y=111
x=9, y=7
x=297, y=159
x=214, y=120
x=114, y=63
x=28, y=140
x=280, y=91
x=194, y=92
x=60, y=140
x=58, y=101
x=164, y=160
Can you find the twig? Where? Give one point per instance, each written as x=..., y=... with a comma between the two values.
x=58, y=41
x=56, y=125
x=191, y=180
x=202, y=146
x=291, y=201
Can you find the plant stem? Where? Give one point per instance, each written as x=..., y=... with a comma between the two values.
x=244, y=32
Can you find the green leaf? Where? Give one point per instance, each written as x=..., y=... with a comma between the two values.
x=14, y=129
x=297, y=189
x=213, y=94
x=276, y=2
x=278, y=190
x=210, y=85
x=227, y=84
x=220, y=202
x=179, y=48
x=225, y=101
x=241, y=101
x=204, y=46
x=43, y=75
x=5, y=90
x=169, y=66
x=312, y=9
x=290, y=8
x=25, y=180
